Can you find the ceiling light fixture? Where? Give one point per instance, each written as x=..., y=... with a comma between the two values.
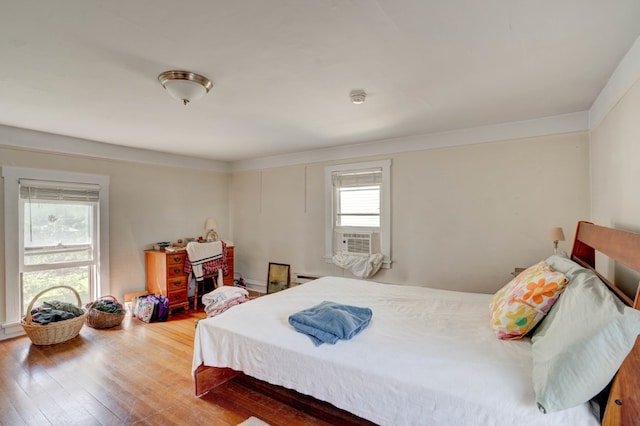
x=185, y=86
x=358, y=96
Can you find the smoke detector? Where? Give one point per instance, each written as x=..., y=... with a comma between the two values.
x=358, y=96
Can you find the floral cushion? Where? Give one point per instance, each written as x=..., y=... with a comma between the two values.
x=517, y=307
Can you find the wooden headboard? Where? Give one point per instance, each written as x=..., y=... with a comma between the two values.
x=623, y=406
x=621, y=246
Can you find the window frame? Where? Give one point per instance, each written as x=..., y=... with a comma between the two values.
x=385, y=207
x=13, y=234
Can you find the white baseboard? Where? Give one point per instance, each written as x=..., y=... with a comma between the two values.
x=255, y=285
x=11, y=330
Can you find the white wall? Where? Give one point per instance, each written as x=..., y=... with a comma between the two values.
x=148, y=203
x=615, y=164
x=462, y=217
x=615, y=174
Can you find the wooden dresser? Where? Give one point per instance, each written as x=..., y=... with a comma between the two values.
x=165, y=275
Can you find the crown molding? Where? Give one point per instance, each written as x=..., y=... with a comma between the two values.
x=49, y=142
x=623, y=78
x=34, y=140
x=566, y=123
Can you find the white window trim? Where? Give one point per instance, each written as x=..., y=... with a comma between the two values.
x=385, y=207
x=11, y=175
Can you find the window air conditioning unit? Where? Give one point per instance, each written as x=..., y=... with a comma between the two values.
x=356, y=243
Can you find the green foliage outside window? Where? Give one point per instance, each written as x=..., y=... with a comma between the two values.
x=55, y=234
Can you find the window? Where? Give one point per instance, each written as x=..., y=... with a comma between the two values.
x=56, y=233
x=358, y=209
x=357, y=198
x=59, y=239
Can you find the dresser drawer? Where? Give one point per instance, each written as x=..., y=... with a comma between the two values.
x=175, y=259
x=177, y=297
x=176, y=284
x=174, y=271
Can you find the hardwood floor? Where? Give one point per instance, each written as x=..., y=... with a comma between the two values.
x=135, y=373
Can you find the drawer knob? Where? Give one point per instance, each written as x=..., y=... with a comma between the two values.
x=177, y=259
x=176, y=271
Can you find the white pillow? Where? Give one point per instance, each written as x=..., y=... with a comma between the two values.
x=580, y=345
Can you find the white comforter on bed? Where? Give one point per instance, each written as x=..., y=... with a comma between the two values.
x=428, y=356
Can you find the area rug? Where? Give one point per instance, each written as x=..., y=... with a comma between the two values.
x=253, y=421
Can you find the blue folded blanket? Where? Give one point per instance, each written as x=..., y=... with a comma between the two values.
x=329, y=322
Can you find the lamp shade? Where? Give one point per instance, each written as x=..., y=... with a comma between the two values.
x=210, y=223
x=556, y=234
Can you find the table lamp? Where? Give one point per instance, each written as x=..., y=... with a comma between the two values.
x=210, y=225
x=555, y=235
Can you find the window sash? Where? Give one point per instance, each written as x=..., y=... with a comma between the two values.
x=357, y=198
x=85, y=286
x=61, y=265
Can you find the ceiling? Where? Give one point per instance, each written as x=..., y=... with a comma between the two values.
x=283, y=69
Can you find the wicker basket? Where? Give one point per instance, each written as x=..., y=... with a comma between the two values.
x=99, y=319
x=54, y=332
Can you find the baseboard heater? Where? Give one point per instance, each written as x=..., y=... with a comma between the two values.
x=303, y=277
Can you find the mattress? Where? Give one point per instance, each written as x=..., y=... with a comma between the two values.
x=427, y=357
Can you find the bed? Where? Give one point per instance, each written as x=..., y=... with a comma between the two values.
x=428, y=356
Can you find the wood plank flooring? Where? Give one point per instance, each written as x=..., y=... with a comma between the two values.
x=134, y=374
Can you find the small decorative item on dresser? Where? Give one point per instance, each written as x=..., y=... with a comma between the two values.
x=105, y=312
x=55, y=331
x=210, y=226
x=161, y=245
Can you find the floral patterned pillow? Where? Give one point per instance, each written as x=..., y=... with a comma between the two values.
x=517, y=307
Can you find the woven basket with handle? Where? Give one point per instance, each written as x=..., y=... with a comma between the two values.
x=54, y=332
x=99, y=319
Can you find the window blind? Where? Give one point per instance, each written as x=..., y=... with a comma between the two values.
x=359, y=178
x=358, y=198
x=58, y=191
